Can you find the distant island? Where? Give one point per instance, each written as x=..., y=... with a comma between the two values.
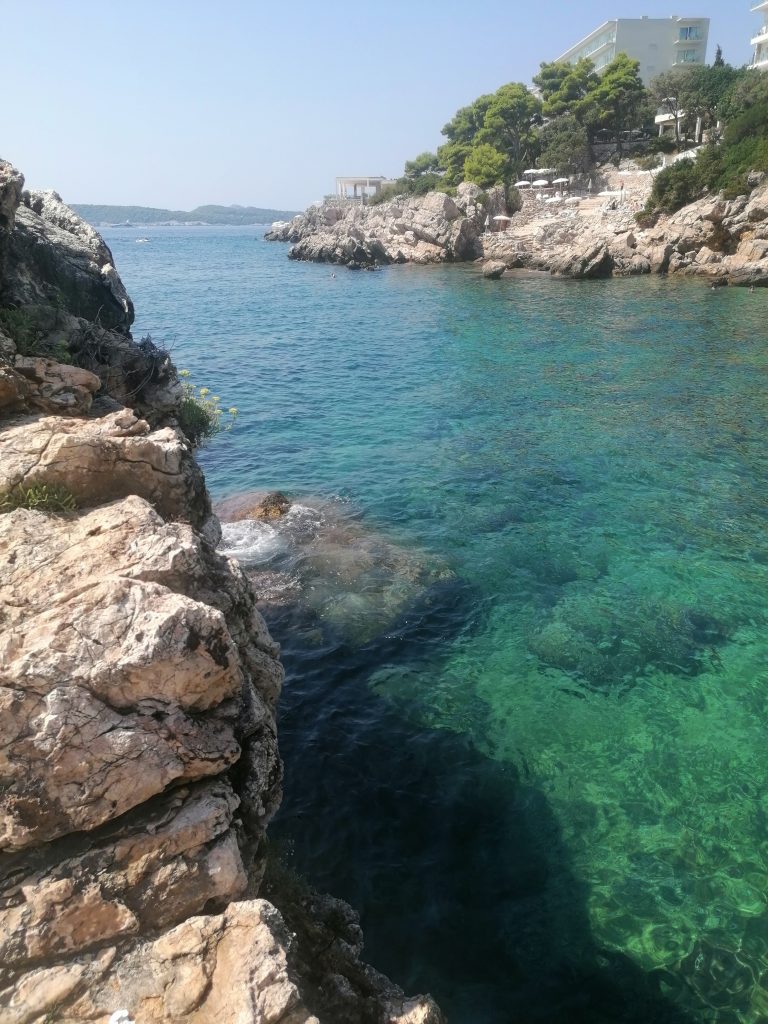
x=105, y=215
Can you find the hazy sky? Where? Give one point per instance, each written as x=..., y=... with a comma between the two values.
x=174, y=104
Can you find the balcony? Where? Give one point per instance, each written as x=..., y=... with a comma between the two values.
x=762, y=6
x=760, y=37
x=760, y=62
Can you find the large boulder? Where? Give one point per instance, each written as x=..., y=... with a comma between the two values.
x=112, y=640
x=105, y=458
x=494, y=269
x=57, y=387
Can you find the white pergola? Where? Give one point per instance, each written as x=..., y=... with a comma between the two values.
x=361, y=186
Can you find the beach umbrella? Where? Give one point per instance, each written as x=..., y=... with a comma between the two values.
x=502, y=217
x=532, y=170
x=561, y=181
x=547, y=170
x=540, y=183
x=522, y=184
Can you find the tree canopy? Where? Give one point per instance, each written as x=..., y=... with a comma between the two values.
x=485, y=166
x=564, y=87
x=494, y=138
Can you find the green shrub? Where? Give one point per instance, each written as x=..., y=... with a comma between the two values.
x=388, y=192
x=20, y=328
x=514, y=199
x=25, y=334
x=200, y=414
x=674, y=187
x=662, y=144
x=650, y=162
x=39, y=498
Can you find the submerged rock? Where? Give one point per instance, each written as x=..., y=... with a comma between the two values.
x=611, y=643
x=319, y=560
x=252, y=506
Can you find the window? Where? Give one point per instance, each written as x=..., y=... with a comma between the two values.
x=687, y=56
x=690, y=32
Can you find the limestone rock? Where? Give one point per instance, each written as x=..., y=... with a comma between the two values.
x=99, y=460
x=494, y=269
x=14, y=390
x=147, y=873
x=11, y=185
x=126, y=668
x=57, y=387
x=418, y=229
x=591, y=261
x=55, y=257
x=231, y=968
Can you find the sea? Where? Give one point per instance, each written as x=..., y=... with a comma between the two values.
x=521, y=598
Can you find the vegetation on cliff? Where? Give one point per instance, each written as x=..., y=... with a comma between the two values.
x=494, y=139
x=722, y=165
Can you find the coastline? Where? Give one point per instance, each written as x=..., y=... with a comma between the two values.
x=724, y=242
x=140, y=686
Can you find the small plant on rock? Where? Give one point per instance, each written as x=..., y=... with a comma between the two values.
x=22, y=329
x=200, y=412
x=39, y=498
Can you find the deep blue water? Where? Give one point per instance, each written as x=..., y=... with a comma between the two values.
x=524, y=720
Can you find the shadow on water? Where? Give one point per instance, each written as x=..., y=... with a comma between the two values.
x=455, y=862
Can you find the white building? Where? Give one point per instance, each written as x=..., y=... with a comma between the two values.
x=760, y=41
x=657, y=43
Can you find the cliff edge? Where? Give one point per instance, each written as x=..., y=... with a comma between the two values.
x=139, y=765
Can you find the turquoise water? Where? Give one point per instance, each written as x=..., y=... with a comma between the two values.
x=524, y=722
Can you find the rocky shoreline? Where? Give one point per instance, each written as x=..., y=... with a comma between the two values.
x=724, y=241
x=138, y=684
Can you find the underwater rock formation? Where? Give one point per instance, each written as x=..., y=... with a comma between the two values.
x=323, y=566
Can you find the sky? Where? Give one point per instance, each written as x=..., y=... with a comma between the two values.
x=178, y=103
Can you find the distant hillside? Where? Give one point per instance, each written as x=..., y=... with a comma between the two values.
x=97, y=215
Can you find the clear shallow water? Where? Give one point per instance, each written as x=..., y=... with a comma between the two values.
x=539, y=771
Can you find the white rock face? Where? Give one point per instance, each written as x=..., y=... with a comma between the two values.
x=415, y=229
x=101, y=459
x=723, y=240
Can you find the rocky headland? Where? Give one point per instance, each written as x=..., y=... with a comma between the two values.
x=722, y=240
x=138, y=689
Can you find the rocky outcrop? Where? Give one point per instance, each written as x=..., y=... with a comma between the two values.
x=494, y=269
x=103, y=458
x=723, y=241
x=433, y=228
x=60, y=296
x=138, y=685
x=56, y=257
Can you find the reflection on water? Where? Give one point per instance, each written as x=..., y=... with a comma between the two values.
x=527, y=691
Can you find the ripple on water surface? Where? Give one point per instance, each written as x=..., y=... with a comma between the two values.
x=541, y=777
